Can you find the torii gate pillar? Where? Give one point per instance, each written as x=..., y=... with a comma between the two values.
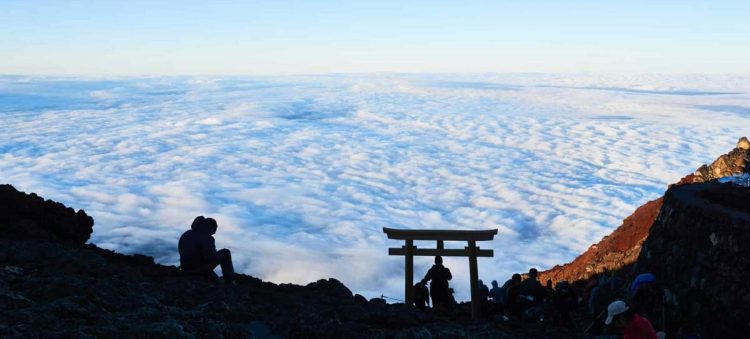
x=409, y=270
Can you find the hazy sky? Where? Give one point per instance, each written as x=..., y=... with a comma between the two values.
x=270, y=37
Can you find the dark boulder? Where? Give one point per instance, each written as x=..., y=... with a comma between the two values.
x=331, y=288
x=25, y=216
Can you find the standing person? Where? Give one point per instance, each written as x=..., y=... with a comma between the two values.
x=484, y=292
x=498, y=293
x=198, y=252
x=628, y=323
x=513, y=296
x=535, y=295
x=484, y=298
x=438, y=276
x=645, y=297
x=564, y=301
x=531, y=287
x=548, y=288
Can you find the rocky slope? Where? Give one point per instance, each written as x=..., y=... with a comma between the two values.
x=622, y=247
x=614, y=251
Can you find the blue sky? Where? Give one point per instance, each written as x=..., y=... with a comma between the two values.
x=281, y=37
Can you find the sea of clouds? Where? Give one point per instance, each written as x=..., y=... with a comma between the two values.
x=303, y=172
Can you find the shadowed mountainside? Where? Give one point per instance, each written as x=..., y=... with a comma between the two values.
x=623, y=245
x=699, y=249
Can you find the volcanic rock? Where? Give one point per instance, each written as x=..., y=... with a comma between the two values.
x=622, y=247
x=735, y=162
x=613, y=252
x=743, y=144
x=699, y=248
x=24, y=216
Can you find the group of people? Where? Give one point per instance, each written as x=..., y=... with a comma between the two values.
x=527, y=299
x=517, y=298
x=440, y=292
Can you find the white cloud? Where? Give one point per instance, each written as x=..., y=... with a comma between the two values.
x=303, y=173
x=102, y=95
x=210, y=121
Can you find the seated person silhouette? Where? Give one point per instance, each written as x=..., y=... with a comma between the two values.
x=198, y=252
x=438, y=275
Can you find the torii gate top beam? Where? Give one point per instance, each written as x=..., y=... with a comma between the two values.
x=445, y=235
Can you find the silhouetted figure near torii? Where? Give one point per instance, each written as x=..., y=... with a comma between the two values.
x=198, y=252
x=440, y=281
x=438, y=276
x=421, y=296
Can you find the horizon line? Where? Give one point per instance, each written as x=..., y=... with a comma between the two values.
x=363, y=73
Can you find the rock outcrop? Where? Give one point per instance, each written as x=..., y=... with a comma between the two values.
x=743, y=144
x=621, y=248
x=25, y=216
x=735, y=162
x=699, y=248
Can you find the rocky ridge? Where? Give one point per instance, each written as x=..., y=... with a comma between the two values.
x=736, y=162
x=622, y=247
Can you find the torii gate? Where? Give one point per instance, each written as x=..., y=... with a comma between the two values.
x=471, y=251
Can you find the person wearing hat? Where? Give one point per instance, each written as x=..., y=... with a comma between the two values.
x=629, y=323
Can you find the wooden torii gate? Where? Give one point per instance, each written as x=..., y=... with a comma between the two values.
x=471, y=251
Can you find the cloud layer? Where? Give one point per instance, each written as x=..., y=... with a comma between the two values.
x=302, y=172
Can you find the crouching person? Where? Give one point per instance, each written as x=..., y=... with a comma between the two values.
x=198, y=252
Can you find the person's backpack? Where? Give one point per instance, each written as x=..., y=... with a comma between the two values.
x=421, y=294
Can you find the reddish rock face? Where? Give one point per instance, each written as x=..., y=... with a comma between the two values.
x=621, y=248
x=614, y=251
